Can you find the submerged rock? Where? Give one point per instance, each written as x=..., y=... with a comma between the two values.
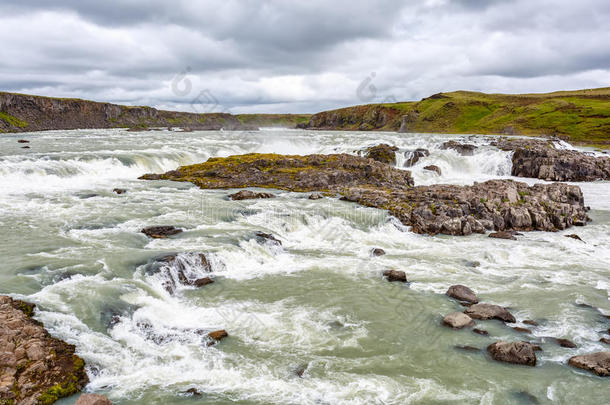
x=597, y=363
x=565, y=343
x=501, y=205
x=377, y=252
x=480, y=332
x=523, y=353
x=267, y=238
x=458, y=320
x=434, y=168
x=490, y=311
x=382, y=153
x=92, y=399
x=249, y=195
x=395, y=275
x=574, y=236
x=316, y=196
x=194, y=392
x=119, y=191
x=503, y=235
x=160, y=232
x=462, y=293
x=414, y=156
x=530, y=322
x=185, y=269
x=522, y=330
x=461, y=148
x=34, y=367
x=23, y=141
x=467, y=348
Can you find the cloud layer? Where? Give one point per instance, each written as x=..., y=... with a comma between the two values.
x=299, y=56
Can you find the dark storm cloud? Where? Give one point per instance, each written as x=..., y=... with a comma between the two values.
x=279, y=55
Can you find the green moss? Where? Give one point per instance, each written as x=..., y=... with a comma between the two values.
x=13, y=121
x=56, y=392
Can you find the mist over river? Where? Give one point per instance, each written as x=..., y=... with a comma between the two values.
x=317, y=306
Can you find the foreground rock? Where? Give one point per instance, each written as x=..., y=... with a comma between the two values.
x=597, y=363
x=382, y=153
x=462, y=293
x=249, y=195
x=395, y=275
x=500, y=205
x=542, y=160
x=513, y=352
x=93, y=399
x=490, y=311
x=35, y=368
x=161, y=232
x=458, y=320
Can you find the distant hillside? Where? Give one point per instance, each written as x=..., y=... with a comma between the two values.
x=25, y=113
x=581, y=116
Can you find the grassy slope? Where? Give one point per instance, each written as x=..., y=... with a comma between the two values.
x=582, y=116
x=274, y=120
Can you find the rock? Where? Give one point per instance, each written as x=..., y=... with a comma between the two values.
x=92, y=399
x=35, y=368
x=502, y=235
x=300, y=371
x=458, y=320
x=521, y=330
x=119, y=191
x=574, y=236
x=160, y=232
x=480, y=332
x=377, y=252
x=150, y=176
x=542, y=160
x=194, y=392
x=184, y=269
x=597, y=363
x=461, y=148
x=382, y=153
x=565, y=343
x=513, y=352
x=530, y=322
x=263, y=237
x=467, y=348
x=462, y=293
x=23, y=141
x=395, y=275
x=501, y=205
x=414, y=156
x=249, y=195
x=490, y=311
x=524, y=397
x=218, y=335
x=25, y=147
x=433, y=168
x=605, y=340
x=316, y=196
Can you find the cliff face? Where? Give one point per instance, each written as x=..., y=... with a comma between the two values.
x=579, y=116
x=21, y=113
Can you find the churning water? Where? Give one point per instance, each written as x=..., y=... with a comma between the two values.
x=317, y=304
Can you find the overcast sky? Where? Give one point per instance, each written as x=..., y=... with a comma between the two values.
x=298, y=56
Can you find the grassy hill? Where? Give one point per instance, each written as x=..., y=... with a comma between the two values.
x=581, y=116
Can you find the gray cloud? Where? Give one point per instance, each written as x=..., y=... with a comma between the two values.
x=300, y=56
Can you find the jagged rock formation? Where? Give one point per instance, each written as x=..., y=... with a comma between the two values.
x=35, y=368
x=447, y=209
x=540, y=159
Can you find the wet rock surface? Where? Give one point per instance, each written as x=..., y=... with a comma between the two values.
x=160, y=232
x=457, y=320
x=523, y=353
x=461, y=148
x=433, y=168
x=377, y=252
x=501, y=205
x=395, y=275
x=565, y=343
x=92, y=399
x=382, y=153
x=490, y=311
x=597, y=363
x=249, y=195
x=34, y=367
x=186, y=269
x=462, y=293
x=542, y=160
x=412, y=157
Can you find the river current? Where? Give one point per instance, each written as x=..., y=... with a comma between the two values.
x=316, y=306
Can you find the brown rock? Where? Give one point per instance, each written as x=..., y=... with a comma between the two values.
x=93, y=399
x=462, y=293
x=605, y=340
x=434, y=168
x=530, y=322
x=480, y=332
x=597, y=363
x=382, y=153
x=565, y=343
x=458, y=320
x=395, y=275
x=160, y=232
x=316, y=196
x=461, y=148
x=23, y=141
x=414, y=156
x=521, y=330
x=574, y=236
x=377, y=252
x=513, y=352
x=268, y=239
x=119, y=191
x=218, y=335
x=490, y=311
x=502, y=235
x=249, y=195
x=193, y=392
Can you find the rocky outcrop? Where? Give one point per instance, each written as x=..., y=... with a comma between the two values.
x=490, y=311
x=597, y=363
x=458, y=320
x=249, y=195
x=448, y=209
x=161, y=232
x=382, y=153
x=523, y=353
x=412, y=157
x=35, y=368
x=462, y=293
x=93, y=399
x=542, y=160
x=463, y=149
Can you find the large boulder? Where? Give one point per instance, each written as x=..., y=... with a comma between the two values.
x=523, y=353
x=382, y=153
x=462, y=293
x=458, y=320
x=490, y=311
x=597, y=363
x=35, y=368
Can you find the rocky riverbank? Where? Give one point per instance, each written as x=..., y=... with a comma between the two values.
x=35, y=368
x=501, y=205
